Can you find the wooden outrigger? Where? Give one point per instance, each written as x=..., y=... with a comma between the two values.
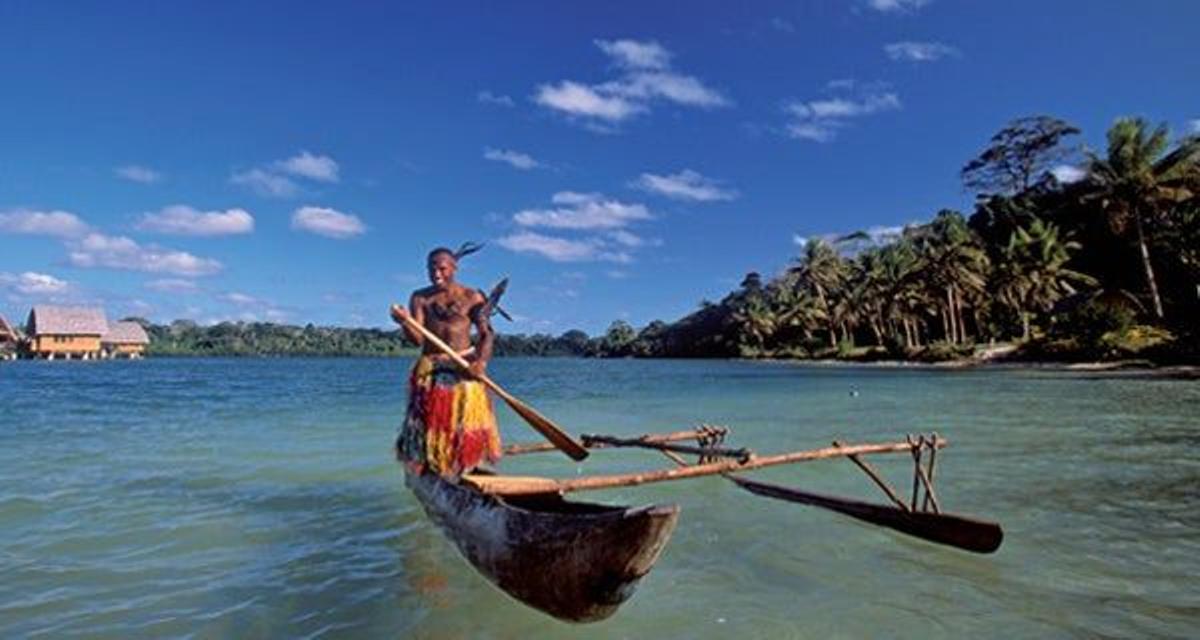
x=579, y=561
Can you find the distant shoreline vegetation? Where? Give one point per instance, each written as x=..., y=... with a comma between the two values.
x=1068, y=256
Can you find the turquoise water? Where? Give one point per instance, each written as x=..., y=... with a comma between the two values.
x=258, y=498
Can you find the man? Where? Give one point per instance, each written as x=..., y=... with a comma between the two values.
x=450, y=427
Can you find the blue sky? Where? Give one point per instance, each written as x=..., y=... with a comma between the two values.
x=295, y=163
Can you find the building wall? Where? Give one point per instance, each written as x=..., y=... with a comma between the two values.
x=126, y=349
x=66, y=344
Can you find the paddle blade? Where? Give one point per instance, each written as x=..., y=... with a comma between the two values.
x=544, y=426
x=968, y=534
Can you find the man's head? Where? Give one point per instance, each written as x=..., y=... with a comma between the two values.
x=442, y=265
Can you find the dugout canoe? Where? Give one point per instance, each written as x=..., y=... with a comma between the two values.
x=576, y=561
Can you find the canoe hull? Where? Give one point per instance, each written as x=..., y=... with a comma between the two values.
x=575, y=561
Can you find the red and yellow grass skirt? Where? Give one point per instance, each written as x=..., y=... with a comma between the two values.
x=450, y=426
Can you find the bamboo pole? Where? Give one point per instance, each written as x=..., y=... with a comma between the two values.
x=508, y=485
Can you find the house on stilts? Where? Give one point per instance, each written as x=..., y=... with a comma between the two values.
x=65, y=332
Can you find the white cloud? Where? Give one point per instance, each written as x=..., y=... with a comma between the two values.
x=137, y=173
x=626, y=238
x=919, y=51
x=307, y=165
x=636, y=55
x=685, y=185
x=681, y=89
x=516, y=159
x=273, y=180
x=561, y=249
x=185, y=221
x=897, y=6
x=172, y=285
x=646, y=77
x=266, y=183
x=1067, y=174
x=820, y=120
x=577, y=99
x=582, y=211
x=1195, y=125
x=33, y=284
x=60, y=224
x=487, y=97
x=327, y=222
x=119, y=252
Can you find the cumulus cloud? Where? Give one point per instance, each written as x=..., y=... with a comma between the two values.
x=119, y=252
x=919, y=51
x=1067, y=174
x=685, y=185
x=313, y=167
x=60, y=224
x=239, y=298
x=266, y=183
x=327, y=222
x=646, y=78
x=275, y=180
x=582, y=211
x=185, y=221
x=897, y=6
x=515, y=159
x=487, y=97
x=820, y=120
x=33, y=284
x=561, y=249
x=137, y=173
x=636, y=55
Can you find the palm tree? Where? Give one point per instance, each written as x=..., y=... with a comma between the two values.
x=822, y=271
x=1138, y=178
x=955, y=264
x=1033, y=275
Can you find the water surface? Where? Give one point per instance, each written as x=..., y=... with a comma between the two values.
x=258, y=498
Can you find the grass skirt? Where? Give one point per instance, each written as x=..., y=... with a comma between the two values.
x=450, y=426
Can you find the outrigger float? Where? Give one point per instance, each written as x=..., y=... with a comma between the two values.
x=579, y=561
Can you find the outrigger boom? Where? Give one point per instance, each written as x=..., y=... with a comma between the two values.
x=921, y=518
x=526, y=485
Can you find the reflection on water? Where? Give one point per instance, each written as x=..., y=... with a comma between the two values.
x=258, y=498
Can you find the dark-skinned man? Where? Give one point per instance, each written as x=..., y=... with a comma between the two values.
x=449, y=427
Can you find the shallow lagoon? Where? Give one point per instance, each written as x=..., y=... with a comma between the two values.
x=256, y=498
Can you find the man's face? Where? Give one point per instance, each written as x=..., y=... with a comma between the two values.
x=441, y=270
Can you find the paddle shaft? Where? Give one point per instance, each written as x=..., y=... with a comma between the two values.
x=542, y=424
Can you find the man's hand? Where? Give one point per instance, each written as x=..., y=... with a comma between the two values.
x=400, y=314
x=478, y=368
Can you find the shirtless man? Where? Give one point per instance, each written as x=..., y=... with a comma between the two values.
x=449, y=427
x=448, y=309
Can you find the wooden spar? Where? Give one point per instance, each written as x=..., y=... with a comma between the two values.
x=538, y=447
x=508, y=486
x=713, y=451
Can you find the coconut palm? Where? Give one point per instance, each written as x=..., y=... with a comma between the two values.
x=822, y=271
x=1138, y=180
x=1033, y=275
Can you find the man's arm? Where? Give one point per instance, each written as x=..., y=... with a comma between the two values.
x=416, y=309
x=481, y=318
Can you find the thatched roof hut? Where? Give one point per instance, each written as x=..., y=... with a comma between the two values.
x=128, y=333
x=8, y=335
x=67, y=321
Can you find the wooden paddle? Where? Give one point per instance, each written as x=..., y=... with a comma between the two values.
x=956, y=531
x=542, y=424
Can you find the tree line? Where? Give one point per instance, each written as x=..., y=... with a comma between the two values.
x=1068, y=253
